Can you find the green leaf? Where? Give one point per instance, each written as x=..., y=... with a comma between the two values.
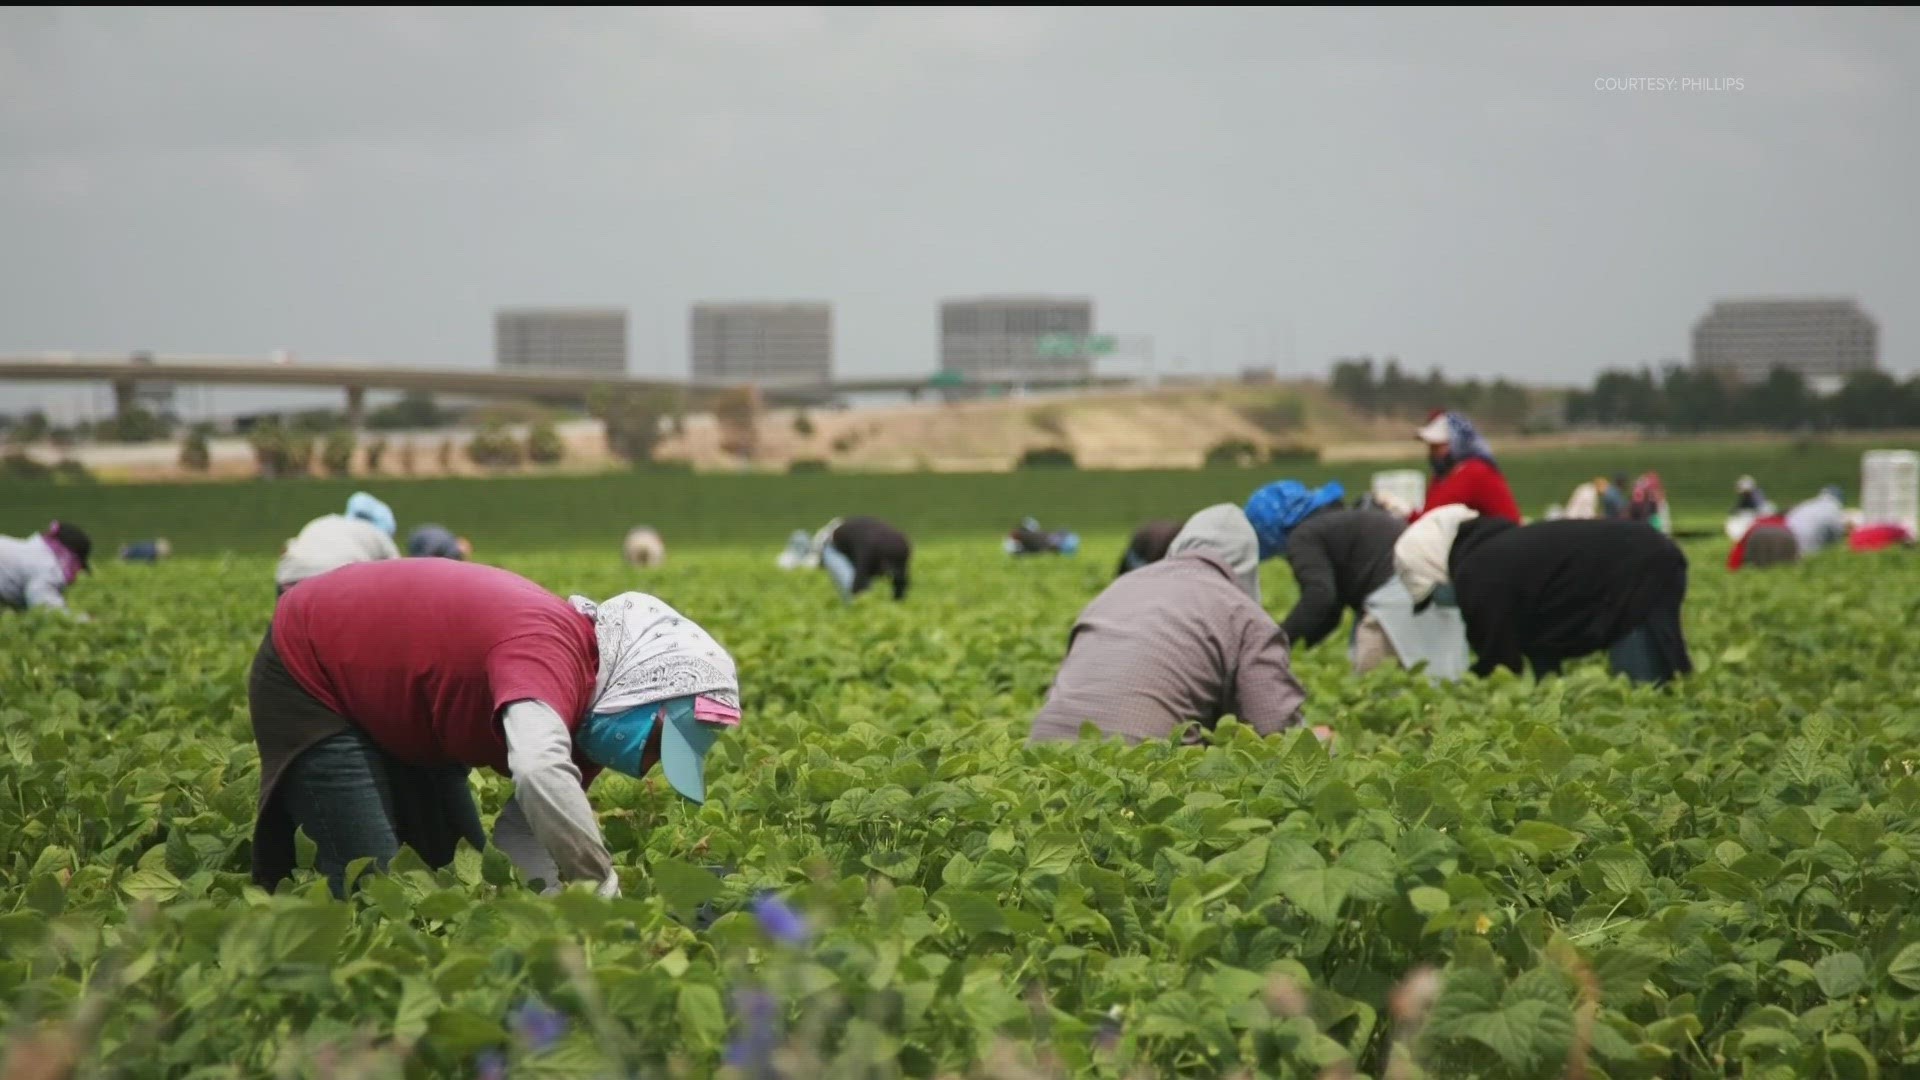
x=1905, y=967
x=701, y=1014
x=1840, y=974
x=1509, y=1032
x=1545, y=838
x=1052, y=853
x=419, y=1003
x=973, y=913
x=152, y=884
x=683, y=887
x=1428, y=900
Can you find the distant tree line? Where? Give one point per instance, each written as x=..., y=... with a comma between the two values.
x=1392, y=392
x=1681, y=399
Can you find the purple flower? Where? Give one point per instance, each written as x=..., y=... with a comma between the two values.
x=491, y=1065
x=780, y=922
x=757, y=1033
x=536, y=1026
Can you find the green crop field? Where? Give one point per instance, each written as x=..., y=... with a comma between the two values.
x=541, y=511
x=1501, y=878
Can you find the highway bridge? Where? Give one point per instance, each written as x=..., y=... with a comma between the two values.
x=124, y=372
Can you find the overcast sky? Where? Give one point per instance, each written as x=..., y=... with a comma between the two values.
x=1242, y=186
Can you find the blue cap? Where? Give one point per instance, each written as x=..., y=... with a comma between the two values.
x=372, y=510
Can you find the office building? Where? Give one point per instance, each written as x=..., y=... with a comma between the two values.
x=771, y=344
x=591, y=341
x=1825, y=340
x=1013, y=337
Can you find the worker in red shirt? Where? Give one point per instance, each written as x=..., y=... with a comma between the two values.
x=1464, y=472
x=381, y=684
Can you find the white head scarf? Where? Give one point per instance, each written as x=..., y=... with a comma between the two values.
x=1420, y=555
x=1224, y=532
x=650, y=652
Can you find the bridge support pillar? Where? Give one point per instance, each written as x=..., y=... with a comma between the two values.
x=122, y=398
x=356, y=406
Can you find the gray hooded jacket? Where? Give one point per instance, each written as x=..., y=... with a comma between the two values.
x=1182, y=640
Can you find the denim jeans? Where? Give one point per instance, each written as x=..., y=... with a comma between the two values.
x=354, y=802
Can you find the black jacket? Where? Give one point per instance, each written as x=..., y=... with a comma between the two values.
x=1338, y=558
x=1549, y=592
x=875, y=548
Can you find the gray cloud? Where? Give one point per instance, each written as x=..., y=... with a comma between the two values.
x=1447, y=186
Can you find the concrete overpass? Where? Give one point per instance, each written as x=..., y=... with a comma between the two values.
x=124, y=372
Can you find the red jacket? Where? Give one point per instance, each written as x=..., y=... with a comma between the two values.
x=1477, y=484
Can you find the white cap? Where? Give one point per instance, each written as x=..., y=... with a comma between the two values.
x=1437, y=431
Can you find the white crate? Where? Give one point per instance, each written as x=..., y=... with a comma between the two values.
x=1890, y=488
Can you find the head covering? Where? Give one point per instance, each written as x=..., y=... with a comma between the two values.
x=372, y=510
x=1834, y=492
x=1420, y=555
x=1648, y=489
x=651, y=654
x=1745, y=483
x=1278, y=508
x=1457, y=433
x=434, y=542
x=1223, y=532
x=72, y=541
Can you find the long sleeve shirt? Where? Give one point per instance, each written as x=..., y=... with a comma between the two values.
x=1168, y=644
x=547, y=828
x=30, y=574
x=1339, y=557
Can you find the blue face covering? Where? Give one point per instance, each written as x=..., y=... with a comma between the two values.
x=618, y=741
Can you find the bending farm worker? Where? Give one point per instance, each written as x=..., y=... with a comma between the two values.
x=1028, y=538
x=1546, y=593
x=1343, y=561
x=380, y=685
x=1650, y=503
x=1180, y=642
x=1149, y=545
x=1584, y=505
x=363, y=534
x=1764, y=542
x=1613, y=498
x=437, y=542
x=798, y=554
x=858, y=550
x=1464, y=472
x=37, y=571
x=146, y=551
x=644, y=547
x=1818, y=523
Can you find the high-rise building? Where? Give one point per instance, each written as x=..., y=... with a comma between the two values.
x=769, y=344
x=1825, y=340
x=1015, y=337
x=590, y=341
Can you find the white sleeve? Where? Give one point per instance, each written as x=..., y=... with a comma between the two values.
x=514, y=836
x=549, y=796
x=46, y=592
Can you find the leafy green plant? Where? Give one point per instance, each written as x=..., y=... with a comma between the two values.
x=1047, y=457
x=336, y=453
x=1500, y=879
x=544, y=446
x=194, y=455
x=494, y=447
